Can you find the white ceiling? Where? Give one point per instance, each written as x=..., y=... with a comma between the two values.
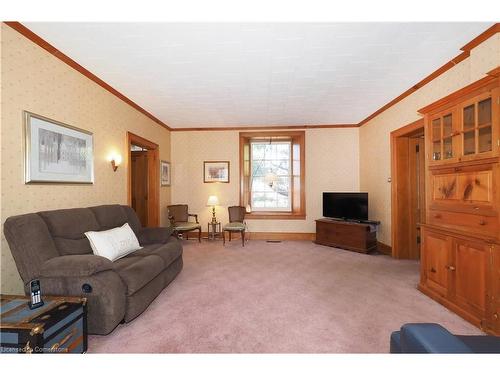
x=239, y=74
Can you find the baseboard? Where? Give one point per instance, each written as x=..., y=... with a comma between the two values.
x=276, y=236
x=383, y=248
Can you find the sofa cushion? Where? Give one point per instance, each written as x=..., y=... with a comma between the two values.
x=137, y=271
x=169, y=251
x=235, y=226
x=148, y=236
x=186, y=226
x=30, y=243
x=71, y=224
x=132, y=219
x=109, y=216
x=75, y=266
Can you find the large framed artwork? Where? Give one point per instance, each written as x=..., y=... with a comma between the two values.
x=216, y=171
x=56, y=152
x=165, y=173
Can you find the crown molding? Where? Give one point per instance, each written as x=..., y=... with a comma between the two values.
x=23, y=30
x=267, y=127
x=450, y=64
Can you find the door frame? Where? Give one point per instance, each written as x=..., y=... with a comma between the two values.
x=398, y=216
x=153, y=176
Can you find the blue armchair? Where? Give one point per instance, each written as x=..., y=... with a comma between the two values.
x=433, y=338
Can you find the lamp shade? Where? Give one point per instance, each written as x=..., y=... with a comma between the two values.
x=270, y=178
x=213, y=201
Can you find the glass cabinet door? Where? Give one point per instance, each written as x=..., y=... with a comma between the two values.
x=436, y=139
x=442, y=137
x=484, y=124
x=476, y=127
x=448, y=137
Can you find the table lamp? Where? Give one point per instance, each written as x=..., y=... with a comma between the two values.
x=213, y=201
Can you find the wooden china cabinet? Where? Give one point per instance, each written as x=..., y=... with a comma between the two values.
x=460, y=262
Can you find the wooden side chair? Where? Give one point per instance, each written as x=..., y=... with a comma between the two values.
x=236, y=223
x=179, y=215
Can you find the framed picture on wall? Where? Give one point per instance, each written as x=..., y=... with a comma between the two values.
x=56, y=152
x=215, y=171
x=165, y=173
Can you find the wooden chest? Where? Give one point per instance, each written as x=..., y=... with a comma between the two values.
x=59, y=326
x=358, y=237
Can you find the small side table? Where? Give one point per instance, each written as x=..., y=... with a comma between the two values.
x=214, y=230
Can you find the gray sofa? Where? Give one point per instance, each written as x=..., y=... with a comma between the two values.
x=51, y=246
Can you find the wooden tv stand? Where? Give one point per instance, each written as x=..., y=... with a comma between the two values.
x=354, y=236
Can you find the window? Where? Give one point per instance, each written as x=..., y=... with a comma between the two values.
x=272, y=174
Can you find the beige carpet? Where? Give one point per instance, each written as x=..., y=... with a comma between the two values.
x=290, y=297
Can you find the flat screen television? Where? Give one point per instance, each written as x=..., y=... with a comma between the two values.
x=346, y=206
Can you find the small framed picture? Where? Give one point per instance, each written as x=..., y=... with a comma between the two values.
x=56, y=152
x=216, y=171
x=165, y=173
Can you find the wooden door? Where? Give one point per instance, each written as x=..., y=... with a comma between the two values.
x=468, y=272
x=436, y=254
x=416, y=201
x=139, y=183
x=153, y=168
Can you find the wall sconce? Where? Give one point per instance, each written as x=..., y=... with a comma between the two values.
x=115, y=160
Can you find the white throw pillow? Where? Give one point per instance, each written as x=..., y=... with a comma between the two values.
x=114, y=243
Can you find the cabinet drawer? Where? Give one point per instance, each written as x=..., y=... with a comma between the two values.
x=481, y=224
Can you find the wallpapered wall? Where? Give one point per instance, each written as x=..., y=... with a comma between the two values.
x=332, y=164
x=34, y=80
x=375, y=164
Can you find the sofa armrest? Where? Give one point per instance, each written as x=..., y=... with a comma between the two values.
x=430, y=338
x=75, y=266
x=148, y=236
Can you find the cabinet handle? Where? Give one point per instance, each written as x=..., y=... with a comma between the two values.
x=457, y=169
x=433, y=270
x=451, y=268
x=482, y=222
x=495, y=316
x=437, y=216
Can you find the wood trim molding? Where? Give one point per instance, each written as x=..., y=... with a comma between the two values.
x=298, y=201
x=267, y=127
x=273, y=236
x=450, y=64
x=481, y=37
x=384, y=249
x=23, y=30
x=398, y=164
x=408, y=129
x=491, y=77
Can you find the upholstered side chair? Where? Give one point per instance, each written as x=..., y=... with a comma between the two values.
x=236, y=223
x=179, y=215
